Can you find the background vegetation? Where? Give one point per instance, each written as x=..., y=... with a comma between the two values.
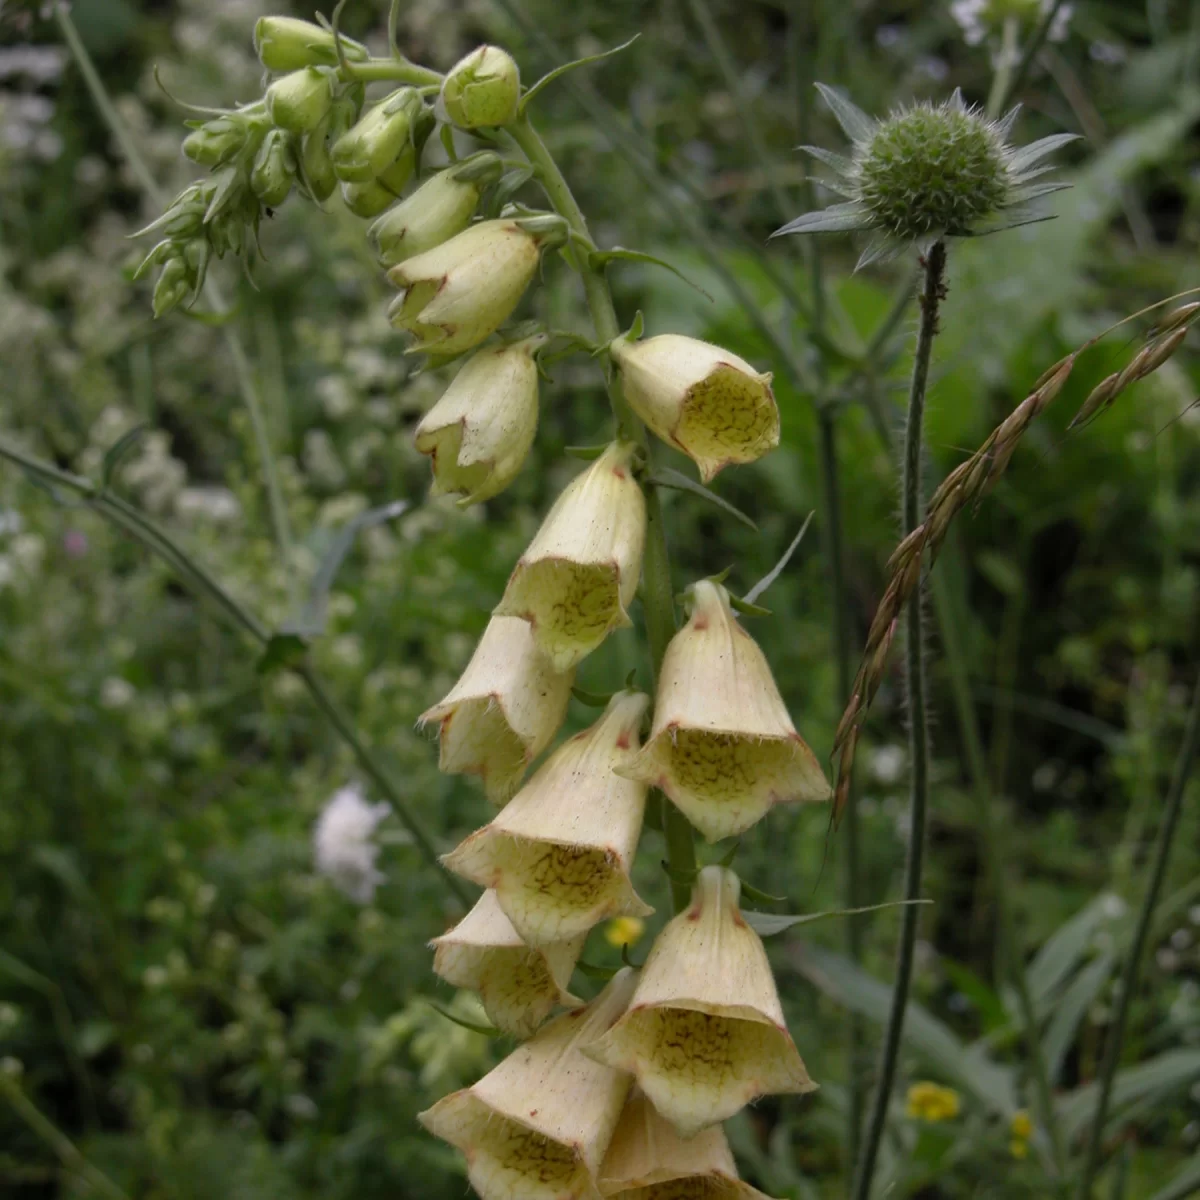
x=184, y=1004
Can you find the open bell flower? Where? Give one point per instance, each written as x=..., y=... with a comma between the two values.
x=560, y=852
x=577, y=578
x=462, y=291
x=478, y=434
x=504, y=710
x=705, y=1034
x=537, y=1126
x=519, y=985
x=927, y=172
x=648, y=1160
x=723, y=747
x=705, y=401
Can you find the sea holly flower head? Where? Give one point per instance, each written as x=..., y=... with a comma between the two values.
x=705, y=1033
x=705, y=401
x=722, y=746
x=478, y=434
x=578, y=576
x=504, y=710
x=928, y=172
x=519, y=985
x=559, y=854
x=538, y=1125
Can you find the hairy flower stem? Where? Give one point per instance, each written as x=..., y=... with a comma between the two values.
x=657, y=592
x=932, y=293
x=1158, y=872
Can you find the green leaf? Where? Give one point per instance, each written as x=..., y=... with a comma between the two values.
x=601, y=258
x=773, y=574
x=488, y=1031
x=551, y=76
x=310, y=621
x=988, y=1004
x=924, y=1035
x=1071, y=1008
x=1185, y=1184
x=668, y=477
x=118, y=450
x=1067, y=947
x=283, y=650
x=769, y=924
x=1154, y=1080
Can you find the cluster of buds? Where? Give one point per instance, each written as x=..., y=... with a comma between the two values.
x=968, y=484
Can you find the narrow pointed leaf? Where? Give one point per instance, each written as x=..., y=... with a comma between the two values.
x=839, y=162
x=1067, y=947
x=118, y=450
x=670, y=478
x=488, y=1031
x=773, y=574
x=1070, y=1010
x=591, y=699
x=879, y=250
x=594, y=970
x=1186, y=1183
x=769, y=924
x=1159, y=1078
x=837, y=218
x=1026, y=156
x=551, y=76
x=598, y=258
x=858, y=126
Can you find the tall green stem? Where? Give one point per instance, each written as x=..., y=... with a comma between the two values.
x=1133, y=964
x=657, y=591
x=918, y=734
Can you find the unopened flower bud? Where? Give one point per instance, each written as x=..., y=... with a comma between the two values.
x=576, y=580
x=287, y=44
x=482, y=89
x=440, y=208
x=705, y=1033
x=648, y=1160
x=175, y=283
x=708, y=402
x=504, y=710
x=537, y=1126
x=463, y=290
x=365, y=151
x=217, y=141
x=274, y=168
x=297, y=101
x=519, y=985
x=368, y=199
x=560, y=852
x=723, y=747
x=478, y=434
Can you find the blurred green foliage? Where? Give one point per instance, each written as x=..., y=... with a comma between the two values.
x=196, y=1009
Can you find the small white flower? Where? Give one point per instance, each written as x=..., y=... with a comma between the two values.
x=116, y=692
x=342, y=843
x=216, y=504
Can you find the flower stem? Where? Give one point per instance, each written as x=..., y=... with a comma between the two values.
x=1129, y=978
x=658, y=596
x=156, y=539
x=932, y=293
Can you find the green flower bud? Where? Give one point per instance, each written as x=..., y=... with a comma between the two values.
x=274, y=169
x=216, y=142
x=435, y=212
x=367, y=199
x=482, y=89
x=298, y=101
x=367, y=150
x=315, y=159
x=174, y=285
x=286, y=44
x=396, y=177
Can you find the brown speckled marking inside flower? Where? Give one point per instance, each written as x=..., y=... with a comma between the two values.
x=476, y=739
x=517, y=990
x=691, y=1187
x=729, y=417
x=514, y=1163
x=571, y=606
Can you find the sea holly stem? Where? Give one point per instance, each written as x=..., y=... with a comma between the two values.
x=932, y=294
x=657, y=591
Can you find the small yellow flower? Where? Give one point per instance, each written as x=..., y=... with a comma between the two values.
x=1018, y=1148
x=931, y=1102
x=624, y=931
x=1022, y=1126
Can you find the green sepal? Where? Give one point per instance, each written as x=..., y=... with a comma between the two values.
x=586, y=453
x=600, y=258
x=551, y=76
x=488, y=1031
x=759, y=896
x=592, y=699
x=726, y=859
x=668, y=477
x=746, y=608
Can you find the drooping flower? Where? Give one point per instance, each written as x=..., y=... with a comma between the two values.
x=538, y=1125
x=503, y=711
x=482, y=89
x=927, y=172
x=723, y=747
x=705, y=1034
x=460, y=292
x=478, y=434
x=559, y=854
x=578, y=576
x=342, y=845
x=648, y=1160
x=519, y=985
x=707, y=402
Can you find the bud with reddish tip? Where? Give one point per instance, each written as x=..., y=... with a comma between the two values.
x=299, y=101
x=519, y=985
x=723, y=747
x=478, y=434
x=560, y=853
x=482, y=89
x=504, y=710
x=537, y=1126
x=707, y=402
x=576, y=580
x=705, y=1034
